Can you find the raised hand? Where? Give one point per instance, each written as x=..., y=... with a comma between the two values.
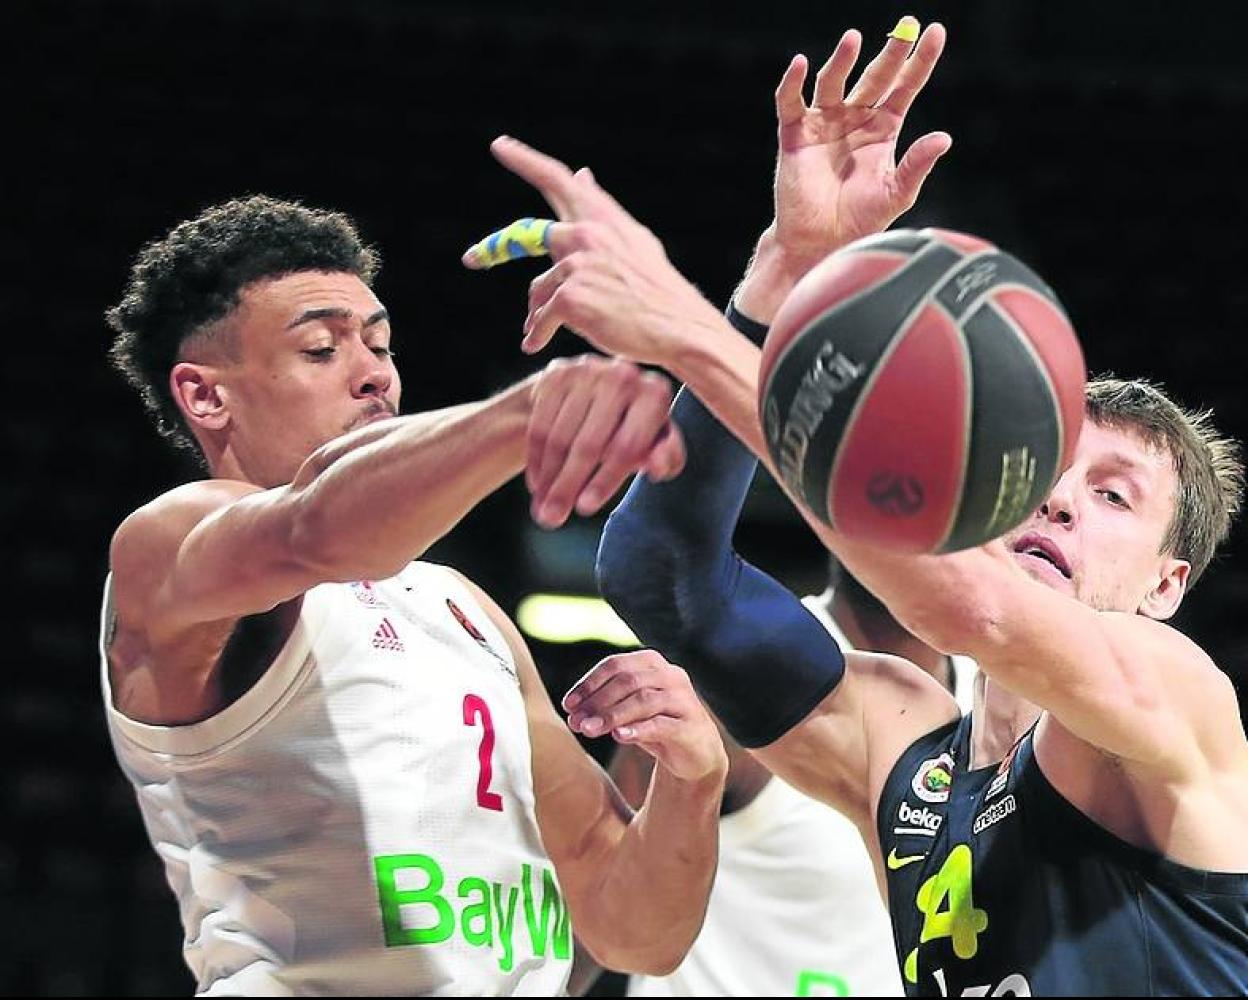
x=837, y=178
x=593, y=423
x=611, y=282
x=642, y=699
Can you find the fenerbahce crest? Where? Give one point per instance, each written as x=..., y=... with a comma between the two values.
x=932, y=780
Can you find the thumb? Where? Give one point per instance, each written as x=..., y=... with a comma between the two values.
x=918, y=162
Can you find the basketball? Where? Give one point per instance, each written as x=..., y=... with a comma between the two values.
x=921, y=390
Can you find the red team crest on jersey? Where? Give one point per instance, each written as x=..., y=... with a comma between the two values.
x=475, y=632
x=465, y=621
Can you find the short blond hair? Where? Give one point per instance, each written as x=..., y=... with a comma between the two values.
x=1208, y=465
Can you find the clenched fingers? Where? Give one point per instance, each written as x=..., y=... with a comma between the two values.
x=644, y=439
x=577, y=440
x=642, y=699
x=595, y=422
x=627, y=688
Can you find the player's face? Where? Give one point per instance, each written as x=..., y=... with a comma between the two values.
x=1099, y=537
x=314, y=363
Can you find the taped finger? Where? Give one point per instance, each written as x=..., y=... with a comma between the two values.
x=526, y=237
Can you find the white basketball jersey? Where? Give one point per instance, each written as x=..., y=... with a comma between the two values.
x=361, y=821
x=794, y=910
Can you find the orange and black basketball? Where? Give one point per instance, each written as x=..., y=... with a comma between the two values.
x=922, y=390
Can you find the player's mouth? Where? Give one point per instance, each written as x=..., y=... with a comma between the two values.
x=374, y=413
x=1034, y=545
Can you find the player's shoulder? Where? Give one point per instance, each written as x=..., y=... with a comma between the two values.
x=172, y=514
x=900, y=678
x=146, y=541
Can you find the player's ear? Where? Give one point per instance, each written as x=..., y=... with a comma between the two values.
x=198, y=394
x=1163, y=600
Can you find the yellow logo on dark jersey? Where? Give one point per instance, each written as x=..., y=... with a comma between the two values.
x=931, y=782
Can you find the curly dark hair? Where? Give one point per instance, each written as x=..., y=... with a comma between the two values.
x=182, y=284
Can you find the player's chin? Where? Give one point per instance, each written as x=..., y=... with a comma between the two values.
x=1043, y=571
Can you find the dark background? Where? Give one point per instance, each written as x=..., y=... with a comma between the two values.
x=1093, y=140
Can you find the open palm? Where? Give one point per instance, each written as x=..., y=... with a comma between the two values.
x=837, y=178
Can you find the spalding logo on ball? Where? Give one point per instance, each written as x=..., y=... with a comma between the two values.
x=922, y=390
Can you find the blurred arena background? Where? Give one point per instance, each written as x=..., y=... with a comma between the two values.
x=1092, y=140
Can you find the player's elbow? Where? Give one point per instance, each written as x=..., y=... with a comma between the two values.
x=624, y=553
x=637, y=574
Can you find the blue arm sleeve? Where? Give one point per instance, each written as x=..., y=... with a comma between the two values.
x=666, y=564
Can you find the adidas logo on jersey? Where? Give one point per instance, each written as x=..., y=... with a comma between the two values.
x=387, y=638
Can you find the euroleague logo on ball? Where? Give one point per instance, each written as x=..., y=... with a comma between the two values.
x=895, y=494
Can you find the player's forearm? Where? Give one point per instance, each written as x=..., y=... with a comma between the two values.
x=926, y=593
x=652, y=900
x=371, y=502
x=948, y=601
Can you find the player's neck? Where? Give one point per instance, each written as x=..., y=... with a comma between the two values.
x=878, y=631
x=998, y=720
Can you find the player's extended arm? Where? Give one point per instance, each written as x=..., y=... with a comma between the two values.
x=365, y=504
x=613, y=284
x=769, y=670
x=1125, y=683
x=630, y=770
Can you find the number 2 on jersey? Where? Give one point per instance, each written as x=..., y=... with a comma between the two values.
x=474, y=707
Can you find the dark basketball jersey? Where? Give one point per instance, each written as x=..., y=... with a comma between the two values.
x=998, y=886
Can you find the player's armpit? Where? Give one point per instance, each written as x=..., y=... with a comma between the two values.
x=843, y=751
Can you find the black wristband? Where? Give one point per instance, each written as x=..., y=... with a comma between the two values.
x=752, y=328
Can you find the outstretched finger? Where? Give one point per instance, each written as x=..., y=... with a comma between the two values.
x=830, y=82
x=918, y=162
x=550, y=176
x=881, y=72
x=544, y=286
x=526, y=237
x=917, y=71
x=790, y=105
x=593, y=201
x=545, y=315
